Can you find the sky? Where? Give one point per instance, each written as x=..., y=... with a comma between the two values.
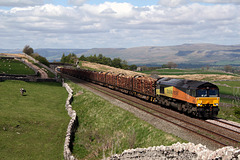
x=86, y=24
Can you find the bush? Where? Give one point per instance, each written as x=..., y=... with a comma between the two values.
x=41, y=59
x=237, y=112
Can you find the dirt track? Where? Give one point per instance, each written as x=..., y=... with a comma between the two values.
x=43, y=74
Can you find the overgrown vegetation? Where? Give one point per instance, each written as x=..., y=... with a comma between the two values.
x=41, y=59
x=29, y=51
x=230, y=109
x=32, y=126
x=105, y=128
x=11, y=66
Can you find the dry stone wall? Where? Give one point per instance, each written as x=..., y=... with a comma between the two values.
x=185, y=151
x=72, y=126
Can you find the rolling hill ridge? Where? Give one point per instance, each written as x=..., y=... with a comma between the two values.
x=203, y=53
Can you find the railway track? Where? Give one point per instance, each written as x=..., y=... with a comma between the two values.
x=217, y=134
x=234, y=127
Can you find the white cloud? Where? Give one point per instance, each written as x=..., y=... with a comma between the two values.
x=172, y=3
x=218, y=1
x=118, y=25
x=76, y=2
x=20, y=3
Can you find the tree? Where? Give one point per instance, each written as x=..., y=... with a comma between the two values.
x=124, y=65
x=228, y=68
x=117, y=62
x=82, y=58
x=107, y=61
x=133, y=67
x=171, y=65
x=28, y=50
x=70, y=58
x=63, y=58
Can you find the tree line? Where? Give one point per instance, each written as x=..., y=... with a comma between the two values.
x=29, y=51
x=115, y=62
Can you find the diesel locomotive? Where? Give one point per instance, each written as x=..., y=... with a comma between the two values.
x=195, y=98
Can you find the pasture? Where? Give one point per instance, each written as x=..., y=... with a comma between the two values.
x=11, y=66
x=184, y=71
x=32, y=126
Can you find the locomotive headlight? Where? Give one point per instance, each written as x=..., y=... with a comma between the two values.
x=199, y=104
x=216, y=104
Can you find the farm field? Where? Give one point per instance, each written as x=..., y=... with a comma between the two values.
x=193, y=74
x=103, y=126
x=32, y=126
x=10, y=66
x=185, y=71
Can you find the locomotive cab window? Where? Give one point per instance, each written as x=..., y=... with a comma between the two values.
x=201, y=93
x=212, y=92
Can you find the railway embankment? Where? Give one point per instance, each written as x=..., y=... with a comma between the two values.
x=178, y=151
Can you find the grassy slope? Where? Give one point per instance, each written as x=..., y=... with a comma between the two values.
x=103, y=126
x=230, y=109
x=32, y=126
x=14, y=67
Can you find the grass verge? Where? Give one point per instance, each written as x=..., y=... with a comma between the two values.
x=32, y=126
x=230, y=108
x=105, y=129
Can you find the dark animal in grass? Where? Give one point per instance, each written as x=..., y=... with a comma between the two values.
x=22, y=91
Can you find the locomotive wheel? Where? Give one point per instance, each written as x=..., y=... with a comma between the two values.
x=189, y=109
x=184, y=108
x=179, y=107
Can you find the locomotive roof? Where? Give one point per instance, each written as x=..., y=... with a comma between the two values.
x=182, y=83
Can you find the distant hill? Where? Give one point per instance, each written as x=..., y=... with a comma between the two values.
x=210, y=54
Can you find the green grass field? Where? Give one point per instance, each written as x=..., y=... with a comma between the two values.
x=108, y=128
x=229, y=87
x=230, y=108
x=9, y=66
x=32, y=126
x=184, y=71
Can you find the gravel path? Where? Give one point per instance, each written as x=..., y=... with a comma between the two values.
x=42, y=72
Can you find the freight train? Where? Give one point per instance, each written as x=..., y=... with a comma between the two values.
x=196, y=98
